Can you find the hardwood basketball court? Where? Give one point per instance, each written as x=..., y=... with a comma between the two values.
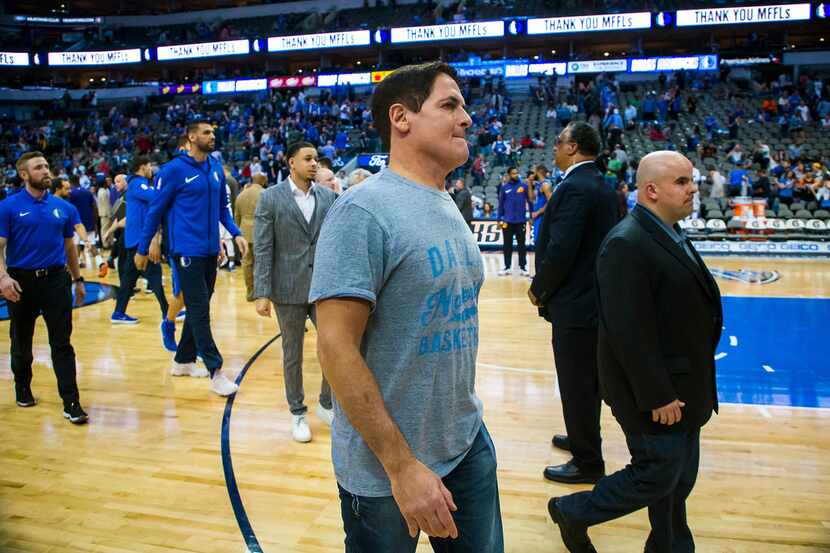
x=146, y=475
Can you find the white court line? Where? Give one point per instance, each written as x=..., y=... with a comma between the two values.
x=763, y=410
x=733, y=341
x=720, y=356
x=514, y=369
x=768, y=368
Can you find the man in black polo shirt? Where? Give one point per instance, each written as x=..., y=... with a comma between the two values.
x=36, y=231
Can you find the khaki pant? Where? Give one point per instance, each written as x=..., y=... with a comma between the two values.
x=248, y=272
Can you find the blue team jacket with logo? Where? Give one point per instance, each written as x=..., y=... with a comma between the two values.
x=196, y=197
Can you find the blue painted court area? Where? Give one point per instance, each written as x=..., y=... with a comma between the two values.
x=95, y=293
x=775, y=351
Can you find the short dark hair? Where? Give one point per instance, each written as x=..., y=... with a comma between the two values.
x=24, y=159
x=542, y=168
x=193, y=126
x=183, y=141
x=511, y=168
x=296, y=147
x=56, y=185
x=409, y=85
x=138, y=162
x=325, y=162
x=586, y=138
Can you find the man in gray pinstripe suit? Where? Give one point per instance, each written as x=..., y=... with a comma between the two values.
x=286, y=225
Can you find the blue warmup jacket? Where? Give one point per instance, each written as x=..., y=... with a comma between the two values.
x=196, y=197
x=139, y=195
x=514, y=200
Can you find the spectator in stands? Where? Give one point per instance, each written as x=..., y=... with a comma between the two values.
x=501, y=149
x=762, y=188
x=785, y=188
x=487, y=212
x=630, y=114
x=718, y=184
x=736, y=155
x=823, y=193
x=650, y=107
x=825, y=122
x=803, y=190
x=738, y=179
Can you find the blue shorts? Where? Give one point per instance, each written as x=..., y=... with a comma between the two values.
x=174, y=277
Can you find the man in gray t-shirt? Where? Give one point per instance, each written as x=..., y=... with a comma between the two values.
x=397, y=275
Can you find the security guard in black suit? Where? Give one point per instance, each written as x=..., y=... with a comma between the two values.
x=36, y=230
x=660, y=322
x=579, y=214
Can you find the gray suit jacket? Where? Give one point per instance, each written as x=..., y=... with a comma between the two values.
x=284, y=243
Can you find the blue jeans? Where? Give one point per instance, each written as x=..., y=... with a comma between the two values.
x=375, y=524
x=197, y=278
x=661, y=476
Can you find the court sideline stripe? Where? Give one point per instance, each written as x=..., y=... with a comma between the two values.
x=248, y=535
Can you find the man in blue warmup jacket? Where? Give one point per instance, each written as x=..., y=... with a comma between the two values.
x=140, y=192
x=192, y=189
x=515, y=197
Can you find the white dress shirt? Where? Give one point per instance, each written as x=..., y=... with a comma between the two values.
x=305, y=200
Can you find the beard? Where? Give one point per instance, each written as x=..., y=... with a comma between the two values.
x=43, y=184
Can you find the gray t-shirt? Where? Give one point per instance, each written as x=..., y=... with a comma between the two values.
x=405, y=248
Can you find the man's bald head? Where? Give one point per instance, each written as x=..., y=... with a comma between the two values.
x=120, y=182
x=665, y=185
x=325, y=177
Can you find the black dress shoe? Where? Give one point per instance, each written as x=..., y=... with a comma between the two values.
x=25, y=398
x=561, y=441
x=575, y=538
x=569, y=473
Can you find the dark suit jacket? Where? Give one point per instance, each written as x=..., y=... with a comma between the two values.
x=660, y=320
x=578, y=216
x=464, y=200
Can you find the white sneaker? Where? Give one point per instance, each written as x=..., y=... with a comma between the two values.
x=221, y=385
x=326, y=415
x=199, y=372
x=505, y=272
x=525, y=273
x=189, y=369
x=299, y=429
x=182, y=369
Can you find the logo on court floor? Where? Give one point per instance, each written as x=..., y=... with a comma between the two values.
x=746, y=276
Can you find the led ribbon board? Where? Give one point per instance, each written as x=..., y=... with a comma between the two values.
x=453, y=31
x=589, y=23
x=203, y=50
x=687, y=63
x=292, y=82
x=242, y=85
x=598, y=66
x=318, y=41
x=743, y=14
x=20, y=59
x=105, y=57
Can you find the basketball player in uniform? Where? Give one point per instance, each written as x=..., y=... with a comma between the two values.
x=192, y=190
